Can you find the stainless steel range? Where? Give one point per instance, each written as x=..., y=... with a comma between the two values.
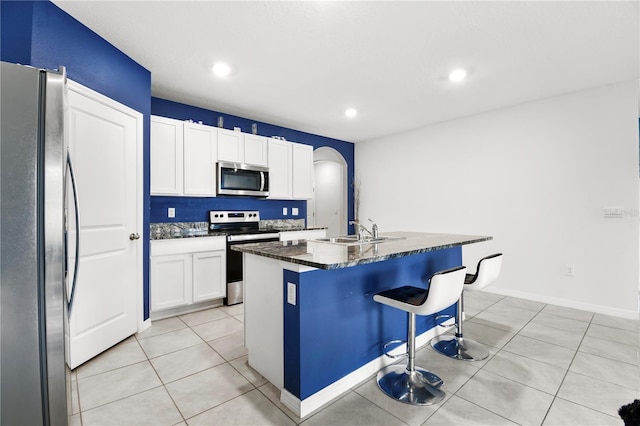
x=241, y=227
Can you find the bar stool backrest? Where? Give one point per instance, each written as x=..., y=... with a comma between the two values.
x=445, y=288
x=488, y=271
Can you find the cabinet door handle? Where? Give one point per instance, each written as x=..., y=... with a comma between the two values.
x=134, y=236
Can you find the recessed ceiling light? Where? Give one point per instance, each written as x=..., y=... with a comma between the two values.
x=351, y=112
x=221, y=69
x=457, y=75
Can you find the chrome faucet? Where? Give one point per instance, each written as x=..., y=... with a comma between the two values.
x=359, y=228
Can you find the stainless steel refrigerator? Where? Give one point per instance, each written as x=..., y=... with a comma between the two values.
x=33, y=298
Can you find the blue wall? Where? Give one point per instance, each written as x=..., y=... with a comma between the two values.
x=40, y=34
x=194, y=209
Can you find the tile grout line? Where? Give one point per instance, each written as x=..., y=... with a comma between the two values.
x=225, y=362
x=475, y=373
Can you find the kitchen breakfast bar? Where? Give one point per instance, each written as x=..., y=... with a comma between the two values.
x=312, y=327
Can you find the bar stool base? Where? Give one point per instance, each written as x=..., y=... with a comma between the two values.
x=459, y=348
x=419, y=387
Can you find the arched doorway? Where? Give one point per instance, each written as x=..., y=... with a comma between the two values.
x=329, y=203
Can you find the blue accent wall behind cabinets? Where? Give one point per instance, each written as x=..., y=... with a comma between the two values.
x=194, y=208
x=40, y=34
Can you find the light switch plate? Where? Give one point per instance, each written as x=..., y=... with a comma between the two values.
x=285, y=211
x=294, y=211
x=171, y=212
x=291, y=293
x=613, y=211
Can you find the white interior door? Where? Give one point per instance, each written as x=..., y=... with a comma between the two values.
x=328, y=197
x=105, y=140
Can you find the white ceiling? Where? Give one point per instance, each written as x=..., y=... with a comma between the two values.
x=301, y=64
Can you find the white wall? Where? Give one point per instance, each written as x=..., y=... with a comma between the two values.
x=535, y=177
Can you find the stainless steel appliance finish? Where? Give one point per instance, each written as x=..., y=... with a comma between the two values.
x=33, y=377
x=242, y=179
x=241, y=227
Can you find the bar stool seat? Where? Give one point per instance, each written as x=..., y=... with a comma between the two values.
x=411, y=384
x=457, y=346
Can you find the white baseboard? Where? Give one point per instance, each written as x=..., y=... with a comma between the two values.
x=186, y=309
x=606, y=310
x=336, y=389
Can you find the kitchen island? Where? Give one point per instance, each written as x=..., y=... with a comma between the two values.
x=312, y=327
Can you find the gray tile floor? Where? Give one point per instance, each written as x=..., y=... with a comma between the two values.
x=548, y=366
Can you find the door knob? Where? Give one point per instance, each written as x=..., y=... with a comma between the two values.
x=134, y=236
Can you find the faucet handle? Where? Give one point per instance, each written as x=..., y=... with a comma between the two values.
x=374, y=229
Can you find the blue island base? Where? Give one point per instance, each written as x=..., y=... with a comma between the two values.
x=335, y=332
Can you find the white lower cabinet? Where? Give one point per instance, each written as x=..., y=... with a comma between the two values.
x=206, y=266
x=187, y=271
x=170, y=281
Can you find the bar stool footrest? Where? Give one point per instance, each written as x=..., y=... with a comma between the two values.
x=391, y=342
x=448, y=317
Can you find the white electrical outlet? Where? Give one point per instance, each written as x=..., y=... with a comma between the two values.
x=171, y=212
x=294, y=211
x=285, y=211
x=291, y=293
x=571, y=271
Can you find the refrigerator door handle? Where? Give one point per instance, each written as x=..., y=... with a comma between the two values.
x=77, y=228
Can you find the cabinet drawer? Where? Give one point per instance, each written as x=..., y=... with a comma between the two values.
x=187, y=245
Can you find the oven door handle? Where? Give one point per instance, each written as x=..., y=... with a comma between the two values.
x=251, y=237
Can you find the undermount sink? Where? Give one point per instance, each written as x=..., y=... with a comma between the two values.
x=349, y=240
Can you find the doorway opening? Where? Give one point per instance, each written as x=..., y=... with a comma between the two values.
x=329, y=204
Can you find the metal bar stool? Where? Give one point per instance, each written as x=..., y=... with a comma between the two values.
x=457, y=346
x=411, y=384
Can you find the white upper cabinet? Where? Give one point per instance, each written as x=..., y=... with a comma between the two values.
x=256, y=149
x=290, y=170
x=302, y=171
x=183, y=158
x=200, y=156
x=230, y=146
x=280, y=173
x=166, y=156
x=238, y=147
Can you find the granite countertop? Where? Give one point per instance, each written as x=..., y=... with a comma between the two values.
x=324, y=255
x=176, y=230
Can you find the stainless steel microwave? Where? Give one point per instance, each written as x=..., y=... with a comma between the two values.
x=243, y=179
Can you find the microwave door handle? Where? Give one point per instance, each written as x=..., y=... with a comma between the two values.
x=261, y=181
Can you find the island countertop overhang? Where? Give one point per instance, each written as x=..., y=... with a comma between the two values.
x=325, y=255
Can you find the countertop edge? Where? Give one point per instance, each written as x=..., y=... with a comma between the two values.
x=339, y=265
